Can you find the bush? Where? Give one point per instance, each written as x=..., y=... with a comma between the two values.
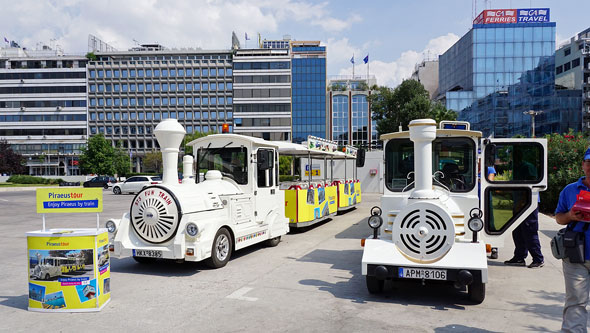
x=25, y=179
x=564, y=163
x=286, y=178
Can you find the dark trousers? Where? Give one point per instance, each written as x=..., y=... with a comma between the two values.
x=526, y=238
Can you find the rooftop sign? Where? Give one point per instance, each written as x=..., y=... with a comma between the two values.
x=511, y=16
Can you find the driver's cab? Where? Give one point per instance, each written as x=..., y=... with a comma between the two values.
x=252, y=164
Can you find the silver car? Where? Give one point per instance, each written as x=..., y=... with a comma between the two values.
x=135, y=184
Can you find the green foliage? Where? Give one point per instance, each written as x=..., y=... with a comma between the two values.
x=285, y=165
x=91, y=56
x=98, y=157
x=286, y=178
x=409, y=101
x=121, y=160
x=188, y=150
x=152, y=161
x=24, y=179
x=10, y=162
x=131, y=174
x=564, y=159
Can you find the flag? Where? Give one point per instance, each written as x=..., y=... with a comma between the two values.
x=6, y=40
x=352, y=59
x=246, y=34
x=366, y=60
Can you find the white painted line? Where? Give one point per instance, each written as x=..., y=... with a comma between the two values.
x=239, y=294
x=4, y=200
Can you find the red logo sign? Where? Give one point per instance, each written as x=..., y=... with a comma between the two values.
x=497, y=16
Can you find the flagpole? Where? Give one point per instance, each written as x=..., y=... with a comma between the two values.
x=353, y=66
x=368, y=60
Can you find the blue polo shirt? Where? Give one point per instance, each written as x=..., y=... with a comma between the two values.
x=567, y=199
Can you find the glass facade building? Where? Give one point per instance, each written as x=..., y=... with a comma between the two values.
x=309, y=90
x=496, y=72
x=350, y=117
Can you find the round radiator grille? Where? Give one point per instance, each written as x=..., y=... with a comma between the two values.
x=155, y=215
x=424, y=231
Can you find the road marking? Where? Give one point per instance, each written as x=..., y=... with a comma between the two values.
x=4, y=200
x=239, y=294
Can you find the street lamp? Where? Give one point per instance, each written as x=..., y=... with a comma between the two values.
x=533, y=113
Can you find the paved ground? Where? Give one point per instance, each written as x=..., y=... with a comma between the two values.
x=311, y=282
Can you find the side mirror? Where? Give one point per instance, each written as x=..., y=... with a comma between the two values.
x=360, y=158
x=264, y=159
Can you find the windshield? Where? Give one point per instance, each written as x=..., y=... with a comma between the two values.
x=453, y=157
x=230, y=161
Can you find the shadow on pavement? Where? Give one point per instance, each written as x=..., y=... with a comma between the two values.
x=158, y=268
x=455, y=328
x=17, y=302
x=544, y=311
x=357, y=230
x=437, y=295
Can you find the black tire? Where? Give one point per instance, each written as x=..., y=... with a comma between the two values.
x=145, y=260
x=494, y=253
x=273, y=241
x=116, y=190
x=374, y=285
x=105, y=186
x=476, y=292
x=221, y=249
x=47, y=277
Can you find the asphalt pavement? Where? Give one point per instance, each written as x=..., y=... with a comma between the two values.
x=310, y=282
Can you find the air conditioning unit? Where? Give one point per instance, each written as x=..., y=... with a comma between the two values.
x=59, y=108
x=22, y=108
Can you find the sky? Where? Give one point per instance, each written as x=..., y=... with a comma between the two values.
x=396, y=34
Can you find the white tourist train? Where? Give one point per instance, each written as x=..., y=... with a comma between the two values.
x=440, y=225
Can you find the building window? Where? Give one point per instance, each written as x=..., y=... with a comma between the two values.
x=567, y=52
x=575, y=62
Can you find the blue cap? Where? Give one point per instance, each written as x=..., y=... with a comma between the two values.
x=587, y=154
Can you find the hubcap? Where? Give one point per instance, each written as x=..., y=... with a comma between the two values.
x=222, y=246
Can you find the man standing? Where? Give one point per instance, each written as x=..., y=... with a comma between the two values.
x=576, y=275
x=525, y=236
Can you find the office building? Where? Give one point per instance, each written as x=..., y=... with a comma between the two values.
x=309, y=90
x=350, y=121
x=262, y=93
x=572, y=72
x=503, y=68
x=308, y=102
x=130, y=92
x=426, y=72
x=43, y=113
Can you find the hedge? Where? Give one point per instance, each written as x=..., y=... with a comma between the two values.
x=25, y=179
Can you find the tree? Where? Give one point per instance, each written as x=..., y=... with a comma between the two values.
x=98, y=156
x=10, y=162
x=188, y=150
x=408, y=101
x=152, y=161
x=121, y=160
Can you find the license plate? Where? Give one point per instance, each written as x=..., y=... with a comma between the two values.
x=147, y=253
x=422, y=273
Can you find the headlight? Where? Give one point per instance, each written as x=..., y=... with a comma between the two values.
x=475, y=224
x=375, y=221
x=376, y=210
x=111, y=226
x=192, y=229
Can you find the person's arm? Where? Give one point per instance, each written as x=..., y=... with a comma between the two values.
x=567, y=217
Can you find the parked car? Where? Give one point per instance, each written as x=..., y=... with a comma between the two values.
x=135, y=184
x=100, y=181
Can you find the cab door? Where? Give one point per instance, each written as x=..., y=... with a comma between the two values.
x=513, y=194
x=266, y=187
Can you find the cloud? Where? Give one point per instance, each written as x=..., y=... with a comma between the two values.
x=206, y=23
x=393, y=73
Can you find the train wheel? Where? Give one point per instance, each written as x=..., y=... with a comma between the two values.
x=221, y=250
x=374, y=285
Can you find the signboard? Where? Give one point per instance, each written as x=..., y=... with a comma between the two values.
x=69, y=200
x=512, y=16
x=69, y=270
x=315, y=170
x=320, y=144
x=350, y=151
